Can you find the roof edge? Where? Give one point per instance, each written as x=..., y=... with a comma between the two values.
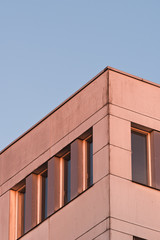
x=74, y=94
x=54, y=110
x=133, y=76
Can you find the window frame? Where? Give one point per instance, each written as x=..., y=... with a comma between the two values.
x=148, y=154
x=20, y=214
x=41, y=216
x=88, y=163
x=63, y=159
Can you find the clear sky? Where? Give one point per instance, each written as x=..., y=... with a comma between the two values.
x=50, y=48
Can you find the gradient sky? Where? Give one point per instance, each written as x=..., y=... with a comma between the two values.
x=49, y=49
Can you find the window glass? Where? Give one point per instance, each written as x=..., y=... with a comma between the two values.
x=67, y=178
x=89, y=162
x=139, y=157
x=44, y=194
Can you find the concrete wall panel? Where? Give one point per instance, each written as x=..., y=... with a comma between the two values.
x=134, y=94
x=134, y=203
x=101, y=164
x=25, y=150
x=100, y=134
x=4, y=216
x=76, y=167
x=120, y=133
x=116, y=235
x=31, y=202
x=39, y=233
x=120, y=162
x=95, y=231
x=81, y=214
x=53, y=199
x=79, y=108
x=134, y=117
x=131, y=229
x=103, y=236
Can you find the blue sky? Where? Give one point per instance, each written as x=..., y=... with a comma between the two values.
x=49, y=49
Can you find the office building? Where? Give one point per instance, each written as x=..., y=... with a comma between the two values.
x=89, y=169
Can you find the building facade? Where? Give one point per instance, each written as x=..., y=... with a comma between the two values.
x=89, y=169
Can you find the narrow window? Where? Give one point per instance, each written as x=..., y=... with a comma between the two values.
x=21, y=211
x=140, y=161
x=67, y=178
x=44, y=194
x=89, y=174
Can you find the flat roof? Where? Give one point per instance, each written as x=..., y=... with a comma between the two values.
x=55, y=109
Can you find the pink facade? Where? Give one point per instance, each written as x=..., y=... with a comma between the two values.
x=105, y=201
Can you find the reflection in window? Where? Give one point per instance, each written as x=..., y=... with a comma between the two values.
x=21, y=211
x=44, y=194
x=139, y=157
x=67, y=178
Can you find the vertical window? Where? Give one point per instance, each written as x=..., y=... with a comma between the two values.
x=140, y=157
x=44, y=194
x=21, y=211
x=89, y=174
x=67, y=178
